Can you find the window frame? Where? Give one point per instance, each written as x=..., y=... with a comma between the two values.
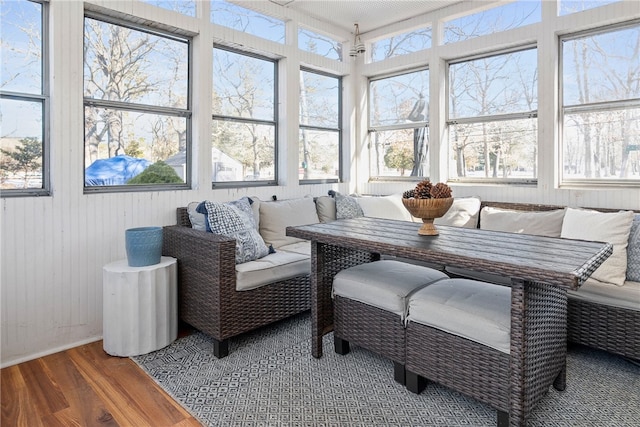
x=594, y=106
x=301, y=126
x=503, y=117
x=371, y=129
x=44, y=99
x=274, y=123
x=186, y=113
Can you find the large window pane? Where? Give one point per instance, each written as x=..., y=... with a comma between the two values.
x=319, y=100
x=494, y=20
x=21, y=23
x=492, y=117
x=242, y=151
x=401, y=152
x=127, y=65
x=600, y=67
x=500, y=84
x=247, y=21
x=392, y=99
x=243, y=86
x=23, y=99
x=244, y=117
x=317, y=43
x=601, y=106
x=319, y=154
x=401, y=44
x=137, y=116
x=21, y=148
x=494, y=149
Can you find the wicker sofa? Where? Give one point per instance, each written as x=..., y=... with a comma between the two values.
x=600, y=316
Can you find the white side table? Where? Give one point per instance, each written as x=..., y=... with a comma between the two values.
x=140, y=307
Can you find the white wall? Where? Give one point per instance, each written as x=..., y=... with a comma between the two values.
x=53, y=248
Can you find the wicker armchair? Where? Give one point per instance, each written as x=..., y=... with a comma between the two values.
x=207, y=296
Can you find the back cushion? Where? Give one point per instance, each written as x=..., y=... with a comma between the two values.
x=548, y=223
x=389, y=207
x=602, y=227
x=275, y=217
x=326, y=207
x=464, y=212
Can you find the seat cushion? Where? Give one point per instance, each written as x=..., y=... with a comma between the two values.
x=626, y=296
x=471, y=309
x=271, y=268
x=385, y=284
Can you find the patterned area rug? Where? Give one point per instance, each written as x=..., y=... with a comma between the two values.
x=271, y=379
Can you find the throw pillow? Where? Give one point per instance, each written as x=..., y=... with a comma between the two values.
x=347, y=207
x=235, y=219
x=633, y=251
x=544, y=223
x=602, y=227
x=276, y=216
x=389, y=207
x=197, y=219
x=326, y=208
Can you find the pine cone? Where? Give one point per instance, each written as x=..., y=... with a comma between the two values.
x=440, y=191
x=408, y=194
x=423, y=190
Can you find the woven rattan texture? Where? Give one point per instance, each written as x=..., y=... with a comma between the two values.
x=369, y=327
x=207, y=294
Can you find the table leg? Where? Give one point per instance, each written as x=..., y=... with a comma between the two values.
x=326, y=262
x=538, y=344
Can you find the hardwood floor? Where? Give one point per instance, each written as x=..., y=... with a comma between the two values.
x=84, y=386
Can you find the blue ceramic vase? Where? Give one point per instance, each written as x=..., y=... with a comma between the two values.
x=144, y=246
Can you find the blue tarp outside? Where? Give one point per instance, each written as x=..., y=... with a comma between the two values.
x=114, y=171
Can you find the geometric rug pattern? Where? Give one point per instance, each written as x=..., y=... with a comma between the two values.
x=270, y=378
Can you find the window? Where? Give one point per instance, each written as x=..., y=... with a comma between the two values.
x=244, y=131
x=398, y=125
x=317, y=43
x=246, y=20
x=494, y=20
x=401, y=44
x=320, y=117
x=24, y=101
x=492, y=117
x=601, y=106
x=571, y=6
x=186, y=7
x=136, y=108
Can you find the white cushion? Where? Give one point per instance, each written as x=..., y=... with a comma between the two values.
x=463, y=213
x=384, y=284
x=197, y=219
x=271, y=268
x=626, y=296
x=389, y=207
x=540, y=223
x=302, y=248
x=474, y=310
x=602, y=227
x=275, y=217
x=326, y=208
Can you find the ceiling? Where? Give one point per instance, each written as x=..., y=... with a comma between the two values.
x=368, y=14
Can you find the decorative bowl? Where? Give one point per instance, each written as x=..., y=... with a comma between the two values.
x=428, y=210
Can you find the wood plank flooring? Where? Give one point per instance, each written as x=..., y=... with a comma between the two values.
x=85, y=387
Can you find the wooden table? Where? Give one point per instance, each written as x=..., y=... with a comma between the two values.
x=539, y=269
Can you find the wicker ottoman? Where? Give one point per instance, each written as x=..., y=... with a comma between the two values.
x=458, y=335
x=370, y=304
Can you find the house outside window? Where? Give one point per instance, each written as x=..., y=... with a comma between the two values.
x=399, y=125
x=244, y=131
x=601, y=107
x=136, y=107
x=24, y=100
x=492, y=117
x=320, y=129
